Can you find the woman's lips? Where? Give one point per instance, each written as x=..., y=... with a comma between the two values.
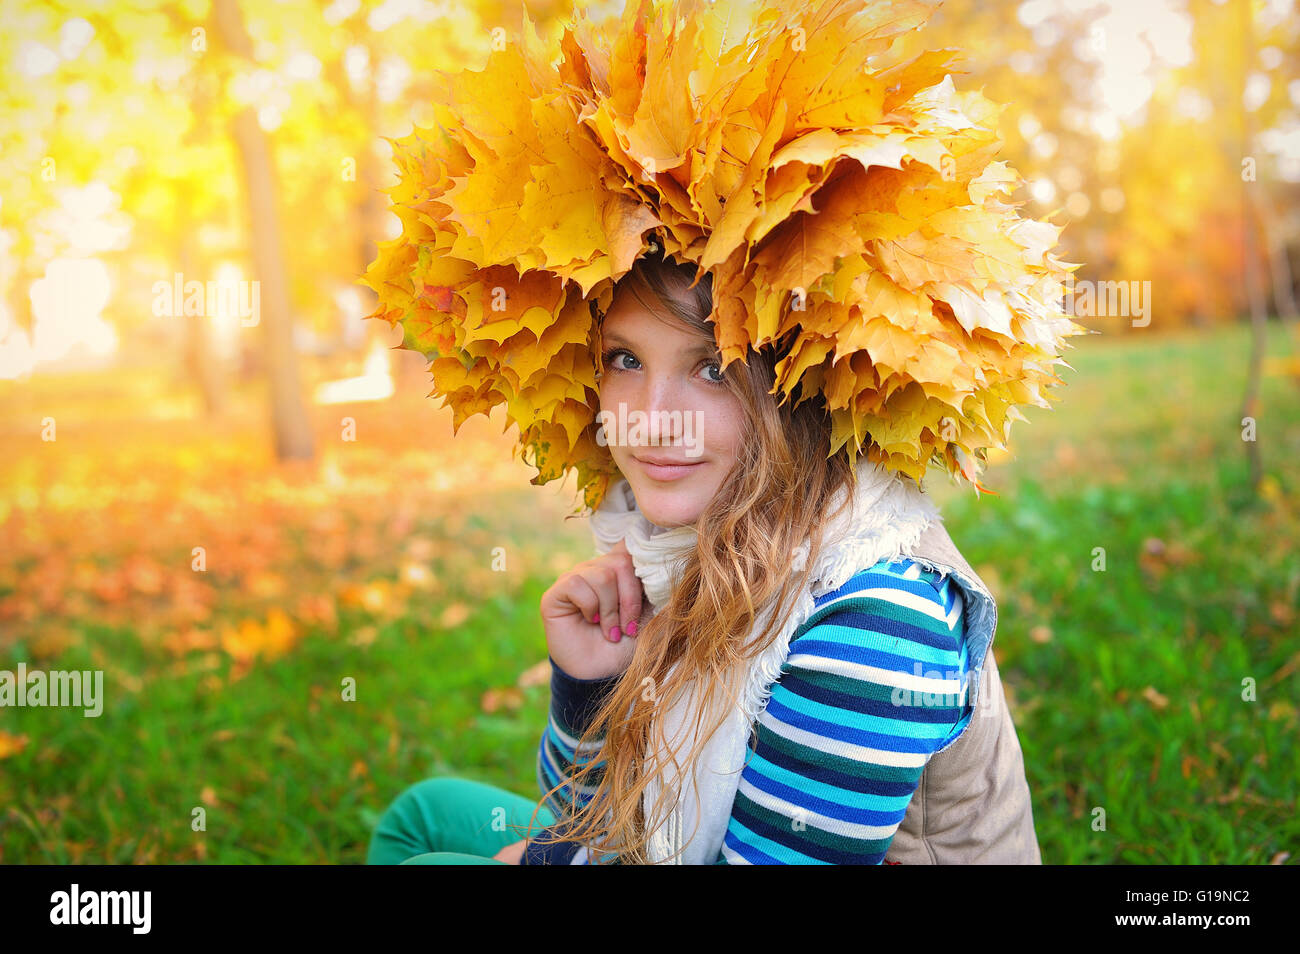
x=668, y=471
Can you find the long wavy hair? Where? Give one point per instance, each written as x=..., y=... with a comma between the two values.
x=782, y=487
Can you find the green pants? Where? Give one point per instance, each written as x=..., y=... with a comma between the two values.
x=452, y=821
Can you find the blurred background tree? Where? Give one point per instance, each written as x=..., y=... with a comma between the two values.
x=1126, y=120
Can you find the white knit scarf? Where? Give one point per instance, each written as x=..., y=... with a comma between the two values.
x=887, y=519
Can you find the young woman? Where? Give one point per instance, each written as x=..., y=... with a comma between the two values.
x=778, y=656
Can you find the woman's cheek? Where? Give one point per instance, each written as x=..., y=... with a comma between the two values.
x=722, y=429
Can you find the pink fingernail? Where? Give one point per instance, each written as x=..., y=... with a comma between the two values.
x=631, y=628
x=596, y=618
x=615, y=634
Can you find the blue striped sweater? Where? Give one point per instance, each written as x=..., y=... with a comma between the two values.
x=873, y=686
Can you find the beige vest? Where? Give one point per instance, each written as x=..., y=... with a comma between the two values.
x=972, y=805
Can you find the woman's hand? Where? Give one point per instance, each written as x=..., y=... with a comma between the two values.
x=511, y=854
x=589, y=612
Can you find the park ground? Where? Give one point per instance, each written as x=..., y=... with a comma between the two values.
x=357, y=623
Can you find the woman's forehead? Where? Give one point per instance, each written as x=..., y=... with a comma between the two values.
x=629, y=315
x=642, y=329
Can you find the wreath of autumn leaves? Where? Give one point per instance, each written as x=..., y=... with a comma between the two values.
x=851, y=210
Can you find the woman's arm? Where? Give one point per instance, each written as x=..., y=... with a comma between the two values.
x=573, y=704
x=849, y=727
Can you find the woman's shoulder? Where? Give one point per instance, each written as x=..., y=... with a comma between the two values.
x=883, y=655
x=899, y=597
x=888, y=579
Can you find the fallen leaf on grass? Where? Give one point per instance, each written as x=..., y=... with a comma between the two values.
x=417, y=575
x=251, y=638
x=992, y=580
x=51, y=642
x=538, y=675
x=453, y=616
x=143, y=575
x=11, y=744
x=1284, y=670
x=494, y=699
x=1155, y=697
x=242, y=642
x=373, y=597
x=109, y=587
x=266, y=585
x=1281, y=709
x=364, y=636
x=211, y=683
x=1157, y=556
x=1227, y=798
x=420, y=548
x=317, y=608
x=188, y=640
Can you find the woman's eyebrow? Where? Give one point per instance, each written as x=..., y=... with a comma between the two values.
x=703, y=348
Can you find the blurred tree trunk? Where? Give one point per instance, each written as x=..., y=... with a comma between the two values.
x=204, y=364
x=293, y=435
x=372, y=202
x=371, y=205
x=20, y=302
x=1279, y=264
x=1250, y=252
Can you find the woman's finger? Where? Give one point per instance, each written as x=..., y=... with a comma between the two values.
x=604, y=580
x=629, y=593
x=577, y=591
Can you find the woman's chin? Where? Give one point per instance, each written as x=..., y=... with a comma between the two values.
x=666, y=508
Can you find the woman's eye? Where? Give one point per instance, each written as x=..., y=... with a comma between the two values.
x=611, y=357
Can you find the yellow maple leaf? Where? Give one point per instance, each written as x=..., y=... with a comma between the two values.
x=847, y=202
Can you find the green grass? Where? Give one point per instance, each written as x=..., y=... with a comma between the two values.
x=1145, y=446
x=1152, y=452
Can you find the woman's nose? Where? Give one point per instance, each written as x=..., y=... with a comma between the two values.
x=662, y=406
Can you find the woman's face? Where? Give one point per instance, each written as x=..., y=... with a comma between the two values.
x=672, y=425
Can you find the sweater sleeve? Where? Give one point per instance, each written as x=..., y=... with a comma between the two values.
x=573, y=705
x=873, y=686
